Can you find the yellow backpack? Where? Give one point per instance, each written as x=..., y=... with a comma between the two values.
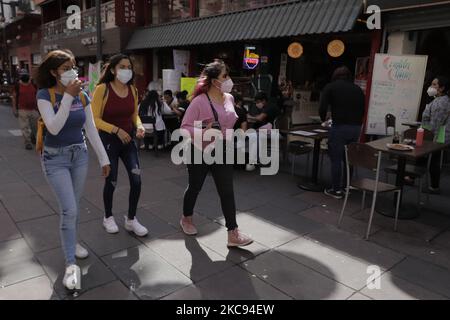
x=40, y=122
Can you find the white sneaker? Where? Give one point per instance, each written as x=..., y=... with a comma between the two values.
x=110, y=225
x=135, y=226
x=80, y=252
x=250, y=167
x=72, y=277
x=160, y=147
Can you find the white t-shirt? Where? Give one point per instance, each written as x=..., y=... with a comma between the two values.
x=159, y=122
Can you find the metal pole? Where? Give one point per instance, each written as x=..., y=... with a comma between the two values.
x=5, y=48
x=99, y=29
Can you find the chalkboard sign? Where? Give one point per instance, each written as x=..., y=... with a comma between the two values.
x=397, y=84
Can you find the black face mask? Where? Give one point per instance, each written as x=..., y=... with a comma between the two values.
x=25, y=78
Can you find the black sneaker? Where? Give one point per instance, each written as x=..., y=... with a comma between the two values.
x=334, y=194
x=430, y=190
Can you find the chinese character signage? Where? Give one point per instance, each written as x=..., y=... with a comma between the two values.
x=129, y=12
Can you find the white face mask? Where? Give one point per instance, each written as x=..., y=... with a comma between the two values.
x=68, y=77
x=432, y=92
x=226, y=86
x=124, y=75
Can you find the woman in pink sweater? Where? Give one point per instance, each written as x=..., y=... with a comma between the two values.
x=213, y=106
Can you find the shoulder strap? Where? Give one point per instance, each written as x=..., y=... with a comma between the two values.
x=83, y=99
x=216, y=116
x=52, y=93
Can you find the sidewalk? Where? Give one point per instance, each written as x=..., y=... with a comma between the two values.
x=298, y=251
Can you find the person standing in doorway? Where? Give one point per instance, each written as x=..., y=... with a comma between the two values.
x=115, y=107
x=25, y=106
x=347, y=104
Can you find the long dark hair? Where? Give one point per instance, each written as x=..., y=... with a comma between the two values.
x=107, y=75
x=52, y=61
x=444, y=82
x=151, y=102
x=210, y=72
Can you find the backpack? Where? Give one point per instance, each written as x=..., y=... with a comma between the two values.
x=40, y=134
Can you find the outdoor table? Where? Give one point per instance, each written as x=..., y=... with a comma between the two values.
x=423, y=151
x=311, y=133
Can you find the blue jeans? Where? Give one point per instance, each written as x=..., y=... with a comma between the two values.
x=128, y=153
x=340, y=136
x=66, y=170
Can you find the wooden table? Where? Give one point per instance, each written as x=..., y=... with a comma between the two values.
x=312, y=184
x=423, y=151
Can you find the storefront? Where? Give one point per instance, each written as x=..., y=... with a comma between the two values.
x=254, y=43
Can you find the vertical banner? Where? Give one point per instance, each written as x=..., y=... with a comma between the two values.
x=94, y=76
x=188, y=84
x=181, y=61
x=397, y=85
x=283, y=67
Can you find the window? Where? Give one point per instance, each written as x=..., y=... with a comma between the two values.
x=36, y=58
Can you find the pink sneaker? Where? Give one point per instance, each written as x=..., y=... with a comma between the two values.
x=187, y=226
x=238, y=239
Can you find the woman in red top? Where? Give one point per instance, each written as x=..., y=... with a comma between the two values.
x=115, y=107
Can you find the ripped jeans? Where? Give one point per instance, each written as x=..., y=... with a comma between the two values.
x=128, y=153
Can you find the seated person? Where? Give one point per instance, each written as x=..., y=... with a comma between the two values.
x=151, y=110
x=266, y=112
x=169, y=99
x=183, y=102
x=241, y=122
x=264, y=119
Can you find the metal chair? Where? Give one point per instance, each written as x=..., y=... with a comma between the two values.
x=364, y=156
x=390, y=122
x=298, y=148
x=413, y=169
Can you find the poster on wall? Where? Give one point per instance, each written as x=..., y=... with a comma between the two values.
x=94, y=76
x=171, y=80
x=188, y=84
x=397, y=84
x=181, y=61
x=362, y=72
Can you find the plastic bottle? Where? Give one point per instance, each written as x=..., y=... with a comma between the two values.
x=419, y=137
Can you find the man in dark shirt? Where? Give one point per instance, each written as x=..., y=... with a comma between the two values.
x=266, y=112
x=241, y=122
x=347, y=104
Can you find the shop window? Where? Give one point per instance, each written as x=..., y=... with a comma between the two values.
x=36, y=58
x=167, y=11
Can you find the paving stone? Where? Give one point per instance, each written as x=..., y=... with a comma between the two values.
x=25, y=208
x=395, y=288
x=17, y=263
x=112, y=291
x=295, y=279
x=39, y=288
x=146, y=273
x=93, y=272
x=232, y=284
x=8, y=230
x=42, y=234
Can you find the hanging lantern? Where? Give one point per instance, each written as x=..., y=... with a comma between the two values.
x=295, y=50
x=336, y=48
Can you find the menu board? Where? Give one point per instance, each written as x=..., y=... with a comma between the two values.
x=397, y=84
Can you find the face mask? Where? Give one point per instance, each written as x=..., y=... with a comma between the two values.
x=226, y=86
x=432, y=92
x=124, y=76
x=68, y=76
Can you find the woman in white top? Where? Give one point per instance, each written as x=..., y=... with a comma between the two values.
x=66, y=111
x=153, y=108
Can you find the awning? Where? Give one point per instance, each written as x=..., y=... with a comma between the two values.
x=281, y=20
x=418, y=19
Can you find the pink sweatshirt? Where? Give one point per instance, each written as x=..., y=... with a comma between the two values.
x=200, y=110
